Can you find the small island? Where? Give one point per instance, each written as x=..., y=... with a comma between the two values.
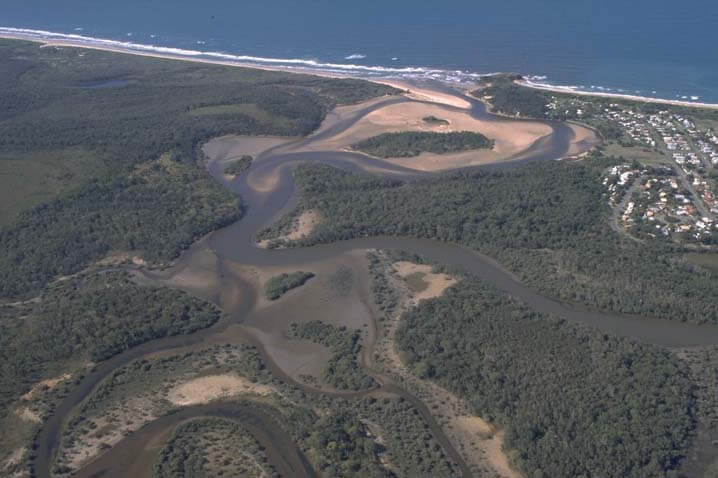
x=433, y=120
x=239, y=166
x=279, y=285
x=408, y=144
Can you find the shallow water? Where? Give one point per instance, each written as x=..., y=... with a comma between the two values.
x=234, y=247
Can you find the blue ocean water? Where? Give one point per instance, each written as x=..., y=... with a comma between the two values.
x=659, y=48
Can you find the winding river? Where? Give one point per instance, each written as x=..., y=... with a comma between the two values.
x=237, y=297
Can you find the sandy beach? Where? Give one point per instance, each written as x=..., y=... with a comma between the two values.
x=416, y=92
x=643, y=99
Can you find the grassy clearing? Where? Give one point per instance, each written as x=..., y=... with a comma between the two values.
x=709, y=261
x=641, y=154
x=252, y=110
x=29, y=179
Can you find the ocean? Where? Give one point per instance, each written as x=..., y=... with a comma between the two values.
x=657, y=48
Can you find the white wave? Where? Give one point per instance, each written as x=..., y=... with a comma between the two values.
x=81, y=40
x=355, y=56
x=78, y=29
x=289, y=63
x=695, y=98
x=394, y=58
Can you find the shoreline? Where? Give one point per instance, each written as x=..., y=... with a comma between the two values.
x=619, y=96
x=389, y=79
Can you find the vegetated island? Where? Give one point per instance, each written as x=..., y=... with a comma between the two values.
x=237, y=167
x=342, y=371
x=431, y=119
x=407, y=144
x=279, y=285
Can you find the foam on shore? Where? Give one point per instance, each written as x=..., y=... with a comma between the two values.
x=301, y=65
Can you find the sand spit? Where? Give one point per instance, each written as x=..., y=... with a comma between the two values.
x=421, y=93
x=213, y=387
x=424, y=94
x=302, y=227
x=510, y=138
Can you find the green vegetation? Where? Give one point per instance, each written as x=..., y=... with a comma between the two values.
x=279, y=285
x=91, y=156
x=156, y=210
x=342, y=371
x=239, y=166
x=212, y=447
x=29, y=179
x=547, y=223
x=707, y=260
x=251, y=110
x=433, y=120
x=340, y=437
x=573, y=402
x=508, y=98
x=89, y=317
x=412, y=143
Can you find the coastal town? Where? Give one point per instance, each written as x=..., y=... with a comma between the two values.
x=674, y=195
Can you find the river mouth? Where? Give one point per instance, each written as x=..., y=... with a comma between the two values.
x=228, y=269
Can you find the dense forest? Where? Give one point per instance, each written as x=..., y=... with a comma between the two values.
x=342, y=370
x=212, y=447
x=89, y=317
x=57, y=100
x=239, y=166
x=545, y=222
x=573, y=402
x=279, y=285
x=407, y=144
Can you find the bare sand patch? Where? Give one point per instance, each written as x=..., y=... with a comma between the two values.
x=424, y=94
x=302, y=227
x=14, y=458
x=436, y=283
x=510, y=137
x=584, y=139
x=49, y=383
x=212, y=387
x=479, y=443
x=26, y=414
x=478, y=434
x=119, y=257
x=227, y=148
